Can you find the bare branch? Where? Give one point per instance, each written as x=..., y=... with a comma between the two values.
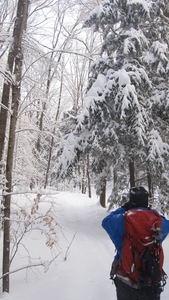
x=61, y=51
x=66, y=254
x=43, y=264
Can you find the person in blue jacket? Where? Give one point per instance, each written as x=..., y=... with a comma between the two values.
x=114, y=226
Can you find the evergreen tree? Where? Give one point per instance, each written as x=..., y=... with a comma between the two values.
x=125, y=119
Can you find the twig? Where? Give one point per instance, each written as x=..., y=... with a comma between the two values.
x=31, y=266
x=66, y=254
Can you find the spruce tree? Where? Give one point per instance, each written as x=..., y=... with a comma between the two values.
x=125, y=118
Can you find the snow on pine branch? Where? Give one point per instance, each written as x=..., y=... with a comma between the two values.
x=133, y=37
x=160, y=50
x=158, y=150
x=146, y=5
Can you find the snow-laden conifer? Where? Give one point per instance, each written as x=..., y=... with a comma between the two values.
x=125, y=115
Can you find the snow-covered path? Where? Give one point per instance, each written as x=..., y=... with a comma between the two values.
x=88, y=263
x=84, y=275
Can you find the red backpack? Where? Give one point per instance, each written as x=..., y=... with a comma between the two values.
x=142, y=253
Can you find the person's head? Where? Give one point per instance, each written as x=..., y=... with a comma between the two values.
x=138, y=197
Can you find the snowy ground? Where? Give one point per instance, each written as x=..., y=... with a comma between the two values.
x=84, y=275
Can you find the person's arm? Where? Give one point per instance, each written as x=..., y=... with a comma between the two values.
x=165, y=228
x=114, y=226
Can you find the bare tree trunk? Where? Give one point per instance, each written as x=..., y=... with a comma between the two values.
x=16, y=57
x=79, y=175
x=131, y=170
x=83, y=178
x=149, y=181
x=49, y=81
x=88, y=177
x=4, y=114
x=114, y=177
x=52, y=139
x=6, y=96
x=103, y=194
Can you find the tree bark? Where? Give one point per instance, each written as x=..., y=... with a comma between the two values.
x=114, y=177
x=131, y=170
x=16, y=56
x=83, y=177
x=150, y=187
x=88, y=177
x=6, y=96
x=103, y=194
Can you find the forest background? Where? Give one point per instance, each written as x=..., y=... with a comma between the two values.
x=84, y=101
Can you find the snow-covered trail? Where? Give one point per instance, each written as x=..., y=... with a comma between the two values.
x=84, y=275
x=91, y=252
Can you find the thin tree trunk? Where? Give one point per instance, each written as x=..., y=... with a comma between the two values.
x=103, y=194
x=16, y=52
x=114, y=177
x=52, y=139
x=79, y=176
x=49, y=80
x=149, y=181
x=83, y=179
x=132, y=177
x=88, y=177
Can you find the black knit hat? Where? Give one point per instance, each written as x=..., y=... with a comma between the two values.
x=138, y=197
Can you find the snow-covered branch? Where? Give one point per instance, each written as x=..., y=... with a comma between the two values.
x=45, y=264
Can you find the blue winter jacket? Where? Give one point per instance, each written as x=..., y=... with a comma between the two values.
x=114, y=226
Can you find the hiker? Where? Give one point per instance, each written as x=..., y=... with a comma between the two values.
x=146, y=281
